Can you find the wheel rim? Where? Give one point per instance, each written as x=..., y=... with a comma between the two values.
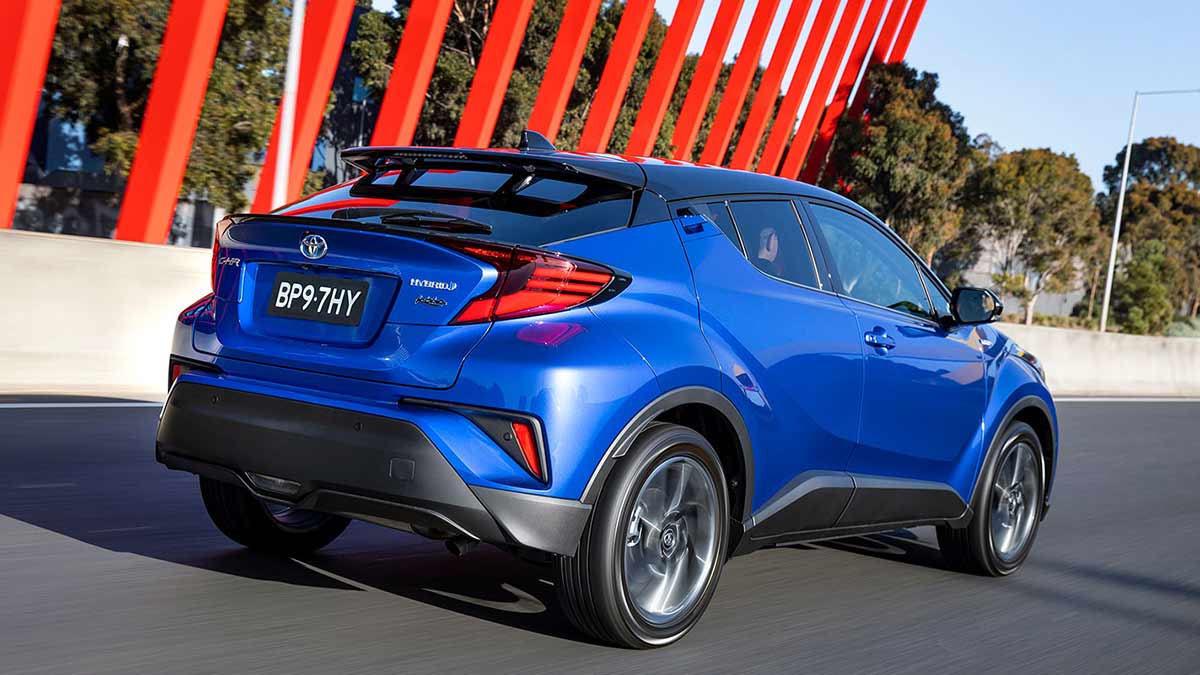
x=1015, y=494
x=291, y=518
x=671, y=540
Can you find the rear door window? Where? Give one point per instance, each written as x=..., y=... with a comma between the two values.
x=775, y=241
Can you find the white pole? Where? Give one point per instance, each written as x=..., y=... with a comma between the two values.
x=287, y=115
x=1112, y=254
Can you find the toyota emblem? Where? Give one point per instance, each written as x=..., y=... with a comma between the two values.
x=313, y=246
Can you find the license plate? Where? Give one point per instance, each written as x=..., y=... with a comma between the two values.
x=317, y=298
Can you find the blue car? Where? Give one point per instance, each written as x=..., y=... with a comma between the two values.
x=629, y=369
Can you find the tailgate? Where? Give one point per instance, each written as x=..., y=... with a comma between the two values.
x=368, y=304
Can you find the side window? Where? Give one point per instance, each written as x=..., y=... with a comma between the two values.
x=870, y=266
x=941, y=303
x=775, y=242
x=718, y=214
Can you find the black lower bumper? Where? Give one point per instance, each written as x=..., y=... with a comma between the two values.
x=362, y=466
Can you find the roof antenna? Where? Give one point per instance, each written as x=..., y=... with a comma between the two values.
x=532, y=141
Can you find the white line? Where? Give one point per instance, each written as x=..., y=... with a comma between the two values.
x=1124, y=399
x=44, y=486
x=122, y=529
x=113, y=404
x=336, y=577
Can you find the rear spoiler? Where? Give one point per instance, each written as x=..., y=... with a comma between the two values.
x=576, y=167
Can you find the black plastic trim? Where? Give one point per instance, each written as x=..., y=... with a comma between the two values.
x=1024, y=403
x=342, y=459
x=669, y=400
x=493, y=422
x=830, y=504
x=535, y=521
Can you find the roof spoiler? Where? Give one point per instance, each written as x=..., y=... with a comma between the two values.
x=534, y=158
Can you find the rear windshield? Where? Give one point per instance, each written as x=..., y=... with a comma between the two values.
x=522, y=209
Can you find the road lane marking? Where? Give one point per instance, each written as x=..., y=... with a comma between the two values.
x=44, y=486
x=109, y=530
x=113, y=404
x=337, y=577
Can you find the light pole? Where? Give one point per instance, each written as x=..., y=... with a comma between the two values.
x=1112, y=255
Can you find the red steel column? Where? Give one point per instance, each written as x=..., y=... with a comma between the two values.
x=411, y=71
x=883, y=45
x=169, y=125
x=858, y=54
x=27, y=33
x=900, y=49
x=768, y=88
x=821, y=90
x=610, y=91
x=708, y=69
x=662, y=81
x=325, y=26
x=740, y=77
x=492, y=73
x=579, y=17
x=785, y=118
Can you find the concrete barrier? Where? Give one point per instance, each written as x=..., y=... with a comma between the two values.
x=84, y=315
x=1082, y=362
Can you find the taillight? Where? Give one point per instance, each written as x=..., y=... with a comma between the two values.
x=218, y=230
x=530, y=283
x=524, y=434
x=177, y=367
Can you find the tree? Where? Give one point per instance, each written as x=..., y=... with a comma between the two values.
x=1038, y=208
x=1141, y=301
x=1162, y=204
x=906, y=159
x=102, y=66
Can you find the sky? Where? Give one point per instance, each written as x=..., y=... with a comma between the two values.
x=1040, y=73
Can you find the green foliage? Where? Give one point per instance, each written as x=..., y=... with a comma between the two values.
x=1162, y=205
x=907, y=159
x=1184, y=328
x=1036, y=206
x=102, y=66
x=1141, y=300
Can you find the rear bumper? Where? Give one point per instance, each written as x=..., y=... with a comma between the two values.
x=368, y=467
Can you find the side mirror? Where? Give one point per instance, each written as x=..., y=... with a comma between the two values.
x=975, y=305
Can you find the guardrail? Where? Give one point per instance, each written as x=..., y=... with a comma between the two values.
x=83, y=315
x=1088, y=363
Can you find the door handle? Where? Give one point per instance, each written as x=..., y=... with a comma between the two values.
x=879, y=339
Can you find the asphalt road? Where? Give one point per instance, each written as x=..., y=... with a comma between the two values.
x=108, y=563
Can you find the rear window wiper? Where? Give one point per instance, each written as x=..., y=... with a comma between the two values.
x=433, y=220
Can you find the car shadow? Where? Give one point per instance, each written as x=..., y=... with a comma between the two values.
x=902, y=545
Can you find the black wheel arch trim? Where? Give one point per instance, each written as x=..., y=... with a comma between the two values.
x=648, y=414
x=1024, y=403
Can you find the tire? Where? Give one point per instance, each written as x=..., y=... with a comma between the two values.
x=672, y=479
x=1004, y=525
x=264, y=527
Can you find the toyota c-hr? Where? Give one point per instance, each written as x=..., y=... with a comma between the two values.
x=630, y=369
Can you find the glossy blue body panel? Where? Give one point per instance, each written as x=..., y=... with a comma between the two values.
x=789, y=360
x=923, y=399
x=812, y=393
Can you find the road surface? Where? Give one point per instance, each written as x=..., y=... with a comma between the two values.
x=108, y=563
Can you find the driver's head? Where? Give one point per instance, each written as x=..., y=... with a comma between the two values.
x=768, y=244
